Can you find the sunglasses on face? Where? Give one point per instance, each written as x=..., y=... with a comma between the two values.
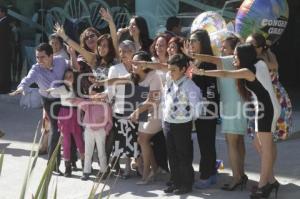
x=192, y=40
x=90, y=36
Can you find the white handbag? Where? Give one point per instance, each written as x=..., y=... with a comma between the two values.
x=31, y=99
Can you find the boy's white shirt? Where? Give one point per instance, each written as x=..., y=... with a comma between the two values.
x=188, y=86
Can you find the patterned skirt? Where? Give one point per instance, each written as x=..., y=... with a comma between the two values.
x=284, y=122
x=125, y=138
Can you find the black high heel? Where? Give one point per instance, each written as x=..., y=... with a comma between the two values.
x=275, y=185
x=262, y=192
x=245, y=178
x=241, y=183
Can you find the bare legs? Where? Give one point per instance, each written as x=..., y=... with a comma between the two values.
x=236, y=153
x=266, y=148
x=147, y=154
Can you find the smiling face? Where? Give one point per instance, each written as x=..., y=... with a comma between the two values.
x=90, y=40
x=103, y=48
x=133, y=29
x=43, y=59
x=125, y=54
x=135, y=69
x=172, y=49
x=161, y=47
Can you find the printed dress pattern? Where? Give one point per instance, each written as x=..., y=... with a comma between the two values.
x=125, y=144
x=284, y=122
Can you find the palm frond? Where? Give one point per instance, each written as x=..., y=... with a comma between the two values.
x=1, y=160
x=30, y=165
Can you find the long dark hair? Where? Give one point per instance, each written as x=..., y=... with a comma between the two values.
x=142, y=56
x=144, y=37
x=111, y=55
x=260, y=41
x=203, y=37
x=74, y=84
x=247, y=57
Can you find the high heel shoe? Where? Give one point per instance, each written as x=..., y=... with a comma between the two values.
x=262, y=192
x=275, y=185
x=245, y=178
x=240, y=183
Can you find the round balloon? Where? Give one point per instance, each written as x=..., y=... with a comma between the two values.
x=268, y=17
x=210, y=21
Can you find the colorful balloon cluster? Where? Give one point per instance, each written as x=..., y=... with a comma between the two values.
x=216, y=27
x=268, y=17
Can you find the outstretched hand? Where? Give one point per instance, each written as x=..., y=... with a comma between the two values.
x=197, y=71
x=142, y=64
x=105, y=15
x=58, y=29
x=16, y=92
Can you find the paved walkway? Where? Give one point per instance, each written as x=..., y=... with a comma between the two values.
x=19, y=126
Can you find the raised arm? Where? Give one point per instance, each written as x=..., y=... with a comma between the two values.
x=73, y=58
x=105, y=15
x=243, y=73
x=90, y=57
x=208, y=58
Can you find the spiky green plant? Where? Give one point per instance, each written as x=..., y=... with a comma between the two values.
x=42, y=190
x=1, y=160
x=98, y=180
x=55, y=190
x=31, y=164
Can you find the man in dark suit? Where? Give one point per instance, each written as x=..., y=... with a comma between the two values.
x=5, y=52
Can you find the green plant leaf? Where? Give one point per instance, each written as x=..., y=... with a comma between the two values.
x=42, y=190
x=30, y=166
x=55, y=191
x=1, y=160
x=97, y=182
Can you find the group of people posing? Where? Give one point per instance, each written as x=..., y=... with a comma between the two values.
x=188, y=89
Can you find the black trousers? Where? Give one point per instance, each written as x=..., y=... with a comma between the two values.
x=160, y=150
x=52, y=107
x=5, y=72
x=206, y=134
x=180, y=153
